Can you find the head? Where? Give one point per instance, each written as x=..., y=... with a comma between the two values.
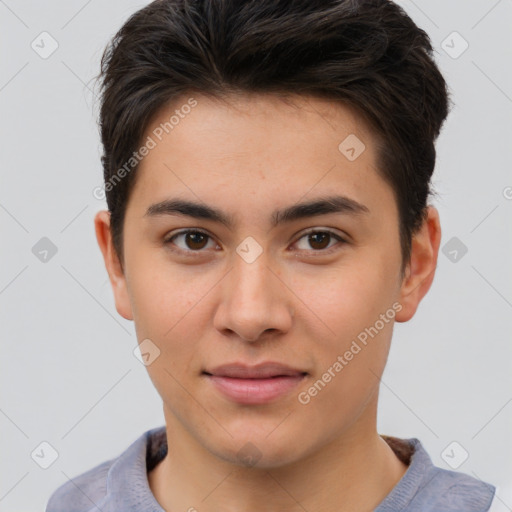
x=274, y=118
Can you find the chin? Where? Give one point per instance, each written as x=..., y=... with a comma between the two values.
x=260, y=451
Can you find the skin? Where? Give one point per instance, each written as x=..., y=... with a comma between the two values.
x=293, y=304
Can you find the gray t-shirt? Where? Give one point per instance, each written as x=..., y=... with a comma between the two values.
x=121, y=484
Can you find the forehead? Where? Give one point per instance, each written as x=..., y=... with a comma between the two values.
x=254, y=145
x=252, y=112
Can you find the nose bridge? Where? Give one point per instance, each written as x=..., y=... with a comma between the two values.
x=253, y=299
x=251, y=279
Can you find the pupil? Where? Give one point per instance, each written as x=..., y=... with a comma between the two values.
x=195, y=238
x=323, y=236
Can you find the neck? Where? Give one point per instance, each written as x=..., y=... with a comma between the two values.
x=355, y=471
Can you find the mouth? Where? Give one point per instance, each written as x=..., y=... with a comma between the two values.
x=259, y=384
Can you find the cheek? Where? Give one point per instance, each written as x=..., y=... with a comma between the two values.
x=342, y=301
x=168, y=309
x=166, y=298
x=348, y=303
x=352, y=354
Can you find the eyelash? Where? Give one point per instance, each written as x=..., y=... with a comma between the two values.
x=342, y=241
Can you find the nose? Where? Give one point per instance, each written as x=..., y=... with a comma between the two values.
x=253, y=300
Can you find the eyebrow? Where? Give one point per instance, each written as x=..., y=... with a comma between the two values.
x=325, y=205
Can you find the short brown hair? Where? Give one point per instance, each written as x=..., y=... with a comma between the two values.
x=366, y=53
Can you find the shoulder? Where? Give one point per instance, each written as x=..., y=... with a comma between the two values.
x=83, y=492
x=429, y=488
x=459, y=492
x=450, y=491
x=119, y=483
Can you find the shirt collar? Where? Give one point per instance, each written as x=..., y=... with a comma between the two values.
x=127, y=480
x=128, y=487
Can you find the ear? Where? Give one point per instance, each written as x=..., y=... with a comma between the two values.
x=421, y=267
x=112, y=264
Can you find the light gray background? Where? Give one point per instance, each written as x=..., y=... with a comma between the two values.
x=68, y=374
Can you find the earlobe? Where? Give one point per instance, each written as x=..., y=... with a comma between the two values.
x=421, y=269
x=113, y=266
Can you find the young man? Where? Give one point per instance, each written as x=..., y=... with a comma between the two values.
x=267, y=168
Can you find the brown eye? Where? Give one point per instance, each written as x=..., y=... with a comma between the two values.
x=190, y=241
x=319, y=240
x=195, y=239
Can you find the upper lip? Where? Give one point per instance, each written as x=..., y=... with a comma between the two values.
x=259, y=371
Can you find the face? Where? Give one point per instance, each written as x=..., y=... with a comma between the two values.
x=252, y=276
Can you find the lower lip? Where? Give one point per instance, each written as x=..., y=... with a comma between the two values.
x=255, y=391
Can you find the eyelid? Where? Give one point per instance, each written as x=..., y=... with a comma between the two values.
x=342, y=240
x=172, y=234
x=168, y=240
